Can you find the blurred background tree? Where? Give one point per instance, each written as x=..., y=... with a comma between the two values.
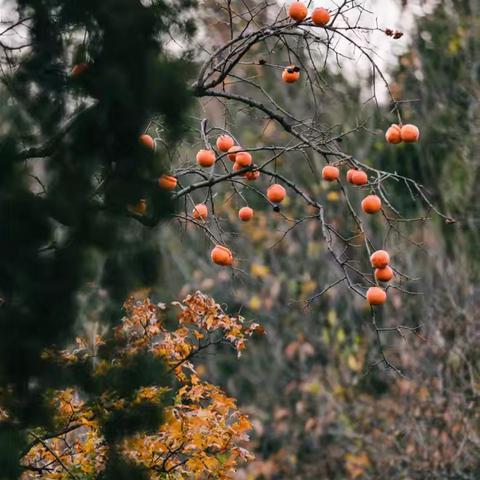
x=73, y=174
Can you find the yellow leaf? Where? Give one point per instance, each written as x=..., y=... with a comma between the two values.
x=333, y=196
x=354, y=364
x=259, y=271
x=255, y=303
x=332, y=317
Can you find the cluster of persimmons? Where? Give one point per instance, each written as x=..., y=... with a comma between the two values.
x=298, y=12
x=276, y=193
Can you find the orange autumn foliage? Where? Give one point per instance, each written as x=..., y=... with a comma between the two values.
x=201, y=424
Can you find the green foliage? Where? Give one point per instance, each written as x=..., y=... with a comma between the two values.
x=71, y=166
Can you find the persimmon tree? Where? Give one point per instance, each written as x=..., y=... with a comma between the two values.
x=234, y=79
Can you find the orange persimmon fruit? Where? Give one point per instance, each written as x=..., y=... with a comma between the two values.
x=350, y=172
x=244, y=159
x=376, y=296
x=200, y=211
x=393, y=134
x=140, y=207
x=206, y=158
x=236, y=167
x=330, y=173
x=167, y=182
x=245, y=214
x=147, y=141
x=78, y=70
x=380, y=259
x=298, y=11
x=384, y=274
x=221, y=256
x=225, y=143
x=232, y=152
x=320, y=16
x=410, y=133
x=252, y=175
x=291, y=74
x=359, y=177
x=276, y=193
x=371, y=204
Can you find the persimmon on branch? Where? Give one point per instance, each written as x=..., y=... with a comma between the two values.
x=222, y=77
x=307, y=44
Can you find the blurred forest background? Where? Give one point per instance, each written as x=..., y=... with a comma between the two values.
x=321, y=405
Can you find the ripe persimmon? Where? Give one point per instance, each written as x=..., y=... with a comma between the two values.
x=167, y=182
x=232, y=152
x=276, y=193
x=147, y=141
x=140, y=207
x=359, y=177
x=410, y=133
x=384, y=274
x=245, y=214
x=330, y=173
x=350, y=173
x=252, y=175
x=225, y=143
x=200, y=211
x=380, y=259
x=221, y=256
x=236, y=167
x=78, y=70
x=371, y=204
x=376, y=296
x=320, y=16
x=291, y=74
x=393, y=134
x=206, y=158
x=298, y=11
x=244, y=159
